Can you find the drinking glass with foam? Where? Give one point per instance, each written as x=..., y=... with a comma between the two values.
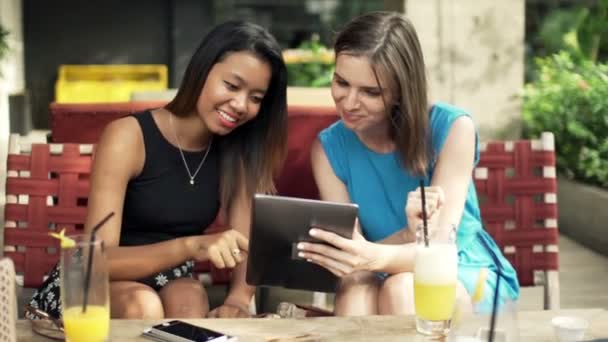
x=435, y=281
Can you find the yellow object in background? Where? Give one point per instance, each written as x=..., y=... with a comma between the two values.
x=90, y=326
x=481, y=283
x=298, y=56
x=107, y=83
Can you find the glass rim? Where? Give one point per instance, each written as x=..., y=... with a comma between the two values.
x=84, y=239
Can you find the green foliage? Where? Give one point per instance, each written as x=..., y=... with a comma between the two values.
x=581, y=31
x=312, y=66
x=310, y=74
x=570, y=99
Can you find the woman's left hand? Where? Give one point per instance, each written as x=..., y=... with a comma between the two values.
x=343, y=256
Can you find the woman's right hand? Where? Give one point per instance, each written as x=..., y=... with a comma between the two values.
x=434, y=199
x=223, y=249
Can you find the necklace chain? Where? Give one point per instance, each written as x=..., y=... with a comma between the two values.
x=181, y=153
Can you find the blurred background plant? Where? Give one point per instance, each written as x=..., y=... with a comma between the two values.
x=570, y=99
x=578, y=27
x=3, y=42
x=567, y=89
x=310, y=65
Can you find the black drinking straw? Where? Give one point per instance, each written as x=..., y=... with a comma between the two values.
x=496, y=289
x=87, y=278
x=494, y=308
x=425, y=229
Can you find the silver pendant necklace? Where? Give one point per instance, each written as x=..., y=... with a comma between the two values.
x=181, y=153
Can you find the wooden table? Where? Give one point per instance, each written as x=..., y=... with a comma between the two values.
x=533, y=326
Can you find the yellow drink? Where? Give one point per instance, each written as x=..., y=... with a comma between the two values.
x=434, y=302
x=91, y=326
x=435, y=279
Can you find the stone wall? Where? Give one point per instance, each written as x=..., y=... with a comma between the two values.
x=11, y=82
x=582, y=213
x=474, y=53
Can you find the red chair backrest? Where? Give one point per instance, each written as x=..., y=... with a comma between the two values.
x=46, y=191
x=517, y=191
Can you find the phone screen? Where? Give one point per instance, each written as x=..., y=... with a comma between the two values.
x=190, y=332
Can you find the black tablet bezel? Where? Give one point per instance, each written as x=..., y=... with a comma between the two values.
x=277, y=224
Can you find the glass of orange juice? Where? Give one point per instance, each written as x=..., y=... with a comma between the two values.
x=86, y=311
x=435, y=280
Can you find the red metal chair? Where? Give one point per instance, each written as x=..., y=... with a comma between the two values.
x=517, y=190
x=47, y=188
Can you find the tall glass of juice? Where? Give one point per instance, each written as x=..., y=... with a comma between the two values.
x=435, y=280
x=84, y=294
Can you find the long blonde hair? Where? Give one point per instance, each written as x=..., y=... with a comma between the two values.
x=390, y=42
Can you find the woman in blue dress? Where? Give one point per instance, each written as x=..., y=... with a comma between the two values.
x=388, y=139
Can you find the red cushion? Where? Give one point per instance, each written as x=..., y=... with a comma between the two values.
x=296, y=178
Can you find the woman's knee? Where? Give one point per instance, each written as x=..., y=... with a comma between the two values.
x=133, y=300
x=396, y=295
x=184, y=298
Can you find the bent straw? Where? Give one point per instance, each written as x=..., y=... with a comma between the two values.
x=496, y=289
x=87, y=280
x=425, y=228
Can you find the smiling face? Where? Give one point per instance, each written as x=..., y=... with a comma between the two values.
x=233, y=91
x=360, y=99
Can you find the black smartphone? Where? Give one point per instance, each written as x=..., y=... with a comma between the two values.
x=179, y=331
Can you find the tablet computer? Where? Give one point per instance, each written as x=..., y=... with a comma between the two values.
x=278, y=224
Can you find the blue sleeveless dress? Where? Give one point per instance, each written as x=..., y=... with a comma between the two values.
x=379, y=185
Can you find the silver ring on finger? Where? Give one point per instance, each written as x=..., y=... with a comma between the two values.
x=235, y=252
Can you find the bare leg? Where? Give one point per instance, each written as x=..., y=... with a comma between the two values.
x=396, y=295
x=357, y=295
x=132, y=300
x=184, y=298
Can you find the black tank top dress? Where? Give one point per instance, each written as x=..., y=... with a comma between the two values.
x=161, y=203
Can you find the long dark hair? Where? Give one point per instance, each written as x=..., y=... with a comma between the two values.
x=390, y=42
x=252, y=153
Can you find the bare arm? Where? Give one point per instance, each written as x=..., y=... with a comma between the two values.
x=452, y=174
x=118, y=158
x=239, y=218
x=236, y=304
x=331, y=188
